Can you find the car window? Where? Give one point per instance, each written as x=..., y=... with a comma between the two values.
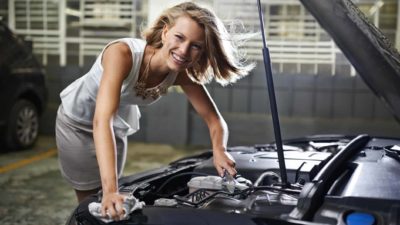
x=5, y=48
x=13, y=52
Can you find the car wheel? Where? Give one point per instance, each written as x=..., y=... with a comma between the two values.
x=23, y=125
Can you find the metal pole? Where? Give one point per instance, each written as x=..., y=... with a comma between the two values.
x=397, y=42
x=62, y=32
x=11, y=15
x=272, y=101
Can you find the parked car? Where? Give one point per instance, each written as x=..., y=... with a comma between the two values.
x=22, y=91
x=327, y=179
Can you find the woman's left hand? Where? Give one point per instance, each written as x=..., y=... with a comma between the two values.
x=224, y=161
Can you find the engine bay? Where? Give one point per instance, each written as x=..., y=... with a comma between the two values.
x=193, y=181
x=331, y=179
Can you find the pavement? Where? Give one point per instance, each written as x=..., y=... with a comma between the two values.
x=32, y=191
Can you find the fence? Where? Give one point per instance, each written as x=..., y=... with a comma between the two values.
x=68, y=29
x=57, y=27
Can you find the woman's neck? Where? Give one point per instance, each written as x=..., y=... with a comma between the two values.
x=158, y=67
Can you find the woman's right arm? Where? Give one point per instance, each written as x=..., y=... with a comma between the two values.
x=117, y=63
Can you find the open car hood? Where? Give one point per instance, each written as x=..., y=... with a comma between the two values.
x=368, y=50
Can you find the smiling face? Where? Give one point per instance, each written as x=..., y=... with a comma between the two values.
x=183, y=43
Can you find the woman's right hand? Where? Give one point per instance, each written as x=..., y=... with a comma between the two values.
x=111, y=205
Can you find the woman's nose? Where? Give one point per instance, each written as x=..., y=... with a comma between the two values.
x=184, y=49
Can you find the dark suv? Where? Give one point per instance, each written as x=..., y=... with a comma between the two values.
x=22, y=91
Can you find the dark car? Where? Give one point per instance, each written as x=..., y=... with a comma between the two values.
x=22, y=91
x=322, y=179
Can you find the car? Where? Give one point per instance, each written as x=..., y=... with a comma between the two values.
x=23, y=91
x=319, y=179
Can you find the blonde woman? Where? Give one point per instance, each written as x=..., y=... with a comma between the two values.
x=187, y=46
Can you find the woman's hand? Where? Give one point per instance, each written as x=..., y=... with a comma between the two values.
x=224, y=161
x=111, y=206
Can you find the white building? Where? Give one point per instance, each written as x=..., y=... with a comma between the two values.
x=73, y=32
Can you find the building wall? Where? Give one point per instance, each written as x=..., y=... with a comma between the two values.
x=307, y=105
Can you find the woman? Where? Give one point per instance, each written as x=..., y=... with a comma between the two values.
x=187, y=46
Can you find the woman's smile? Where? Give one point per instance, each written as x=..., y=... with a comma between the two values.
x=179, y=59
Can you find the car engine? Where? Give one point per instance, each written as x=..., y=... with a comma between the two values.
x=331, y=179
x=193, y=181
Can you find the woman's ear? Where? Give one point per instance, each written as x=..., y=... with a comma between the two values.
x=164, y=33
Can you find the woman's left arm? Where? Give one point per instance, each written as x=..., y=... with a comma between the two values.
x=206, y=108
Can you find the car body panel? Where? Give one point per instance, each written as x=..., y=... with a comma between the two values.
x=368, y=50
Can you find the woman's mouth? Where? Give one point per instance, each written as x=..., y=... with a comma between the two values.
x=179, y=60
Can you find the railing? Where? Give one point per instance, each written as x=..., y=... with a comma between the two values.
x=294, y=37
x=43, y=22
x=296, y=52
x=102, y=21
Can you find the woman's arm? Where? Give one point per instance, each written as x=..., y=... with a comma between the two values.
x=206, y=108
x=117, y=62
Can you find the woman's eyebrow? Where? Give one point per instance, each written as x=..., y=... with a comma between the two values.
x=195, y=42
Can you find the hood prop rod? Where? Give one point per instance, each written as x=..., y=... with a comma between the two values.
x=272, y=101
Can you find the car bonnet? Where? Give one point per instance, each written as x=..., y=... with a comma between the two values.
x=367, y=49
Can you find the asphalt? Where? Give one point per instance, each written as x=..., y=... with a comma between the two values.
x=32, y=191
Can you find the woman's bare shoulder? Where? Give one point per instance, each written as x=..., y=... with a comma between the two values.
x=118, y=53
x=117, y=59
x=120, y=48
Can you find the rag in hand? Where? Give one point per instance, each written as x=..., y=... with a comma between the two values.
x=130, y=204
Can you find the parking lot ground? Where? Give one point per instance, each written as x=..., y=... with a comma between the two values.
x=32, y=191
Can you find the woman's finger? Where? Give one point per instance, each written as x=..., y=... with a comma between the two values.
x=103, y=211
x=119, y=209
x=112, y=213
x=232, y=171
x=220, y=171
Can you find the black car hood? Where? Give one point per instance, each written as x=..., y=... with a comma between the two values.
x=368, y=50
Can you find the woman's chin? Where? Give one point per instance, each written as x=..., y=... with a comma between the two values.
x=177, y=67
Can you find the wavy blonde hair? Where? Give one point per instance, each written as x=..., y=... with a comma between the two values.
x=220, y=58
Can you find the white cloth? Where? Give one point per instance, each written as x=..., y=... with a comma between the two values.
x=130, y=204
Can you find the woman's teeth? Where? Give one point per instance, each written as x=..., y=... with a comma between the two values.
x=178, y=58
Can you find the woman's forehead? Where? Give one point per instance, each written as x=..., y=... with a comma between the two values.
x=189, y=27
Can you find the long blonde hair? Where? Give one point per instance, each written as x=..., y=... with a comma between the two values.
x=219, y=60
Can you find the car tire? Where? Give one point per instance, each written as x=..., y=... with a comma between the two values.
x=23, y=125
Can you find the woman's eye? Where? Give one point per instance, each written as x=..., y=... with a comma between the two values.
x=179, y=37
x=197, y=47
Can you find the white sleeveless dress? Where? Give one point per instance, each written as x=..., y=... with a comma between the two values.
x=74, y=133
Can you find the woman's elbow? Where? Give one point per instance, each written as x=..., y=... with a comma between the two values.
x=100, y=121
